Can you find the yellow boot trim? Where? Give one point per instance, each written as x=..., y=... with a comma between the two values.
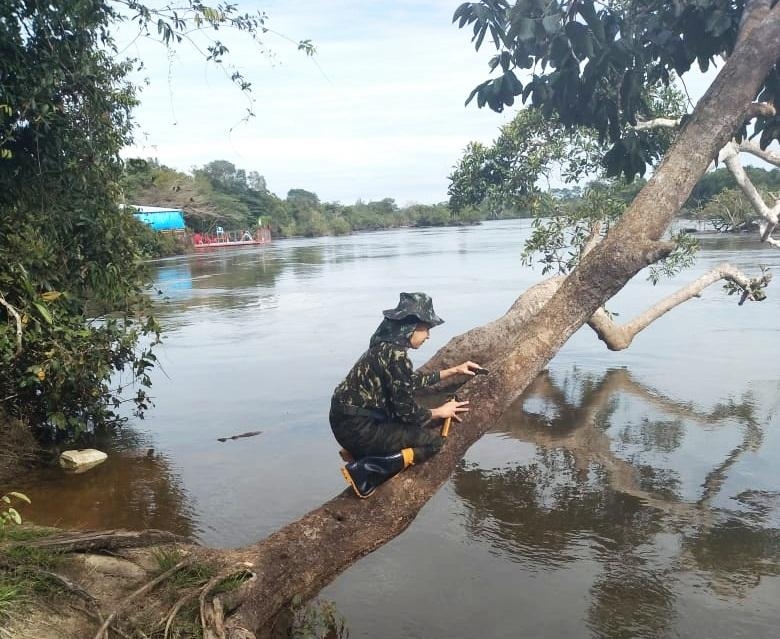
x=408, y=454
x=348, y=477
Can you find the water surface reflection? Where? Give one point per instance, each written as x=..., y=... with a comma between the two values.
x=599, y=495
x=605, y=503
x=135, y=488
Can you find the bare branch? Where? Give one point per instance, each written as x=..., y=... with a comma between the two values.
x=655, y=250
x=658, y=123
x=755, y=110
x=746, y=146
x=593, y=239
x=730, y=156
x=766, y=233
x=13, y=312
x=618, y=338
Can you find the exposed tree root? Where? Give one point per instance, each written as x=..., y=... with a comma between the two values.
x=180, y=603
x=70, y=586
x=99, y=618
x=101, y=633
x=95, y=541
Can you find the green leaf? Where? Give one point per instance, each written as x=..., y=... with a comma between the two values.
x=45, y=314
x=512, y=83
x=15, y=516
x=20, y=496
x=524, y=29
x=580, y=38
x=478, y=92
x=588, y=12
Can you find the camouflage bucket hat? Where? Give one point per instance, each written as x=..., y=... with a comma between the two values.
x=417, y=305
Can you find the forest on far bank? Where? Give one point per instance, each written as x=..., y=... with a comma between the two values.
x=220, y=194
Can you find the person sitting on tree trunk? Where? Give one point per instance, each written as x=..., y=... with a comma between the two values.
x=373, y=413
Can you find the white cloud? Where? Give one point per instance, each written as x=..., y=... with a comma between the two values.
x=377, y=113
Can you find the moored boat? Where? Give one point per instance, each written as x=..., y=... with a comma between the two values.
x=225, y=239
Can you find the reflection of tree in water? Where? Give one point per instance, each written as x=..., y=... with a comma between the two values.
x=535, y=511
x=579, y=493
x=546, y=514
x=225, y=279
x=133, y=489
x=301, y=259
x=220, y=279
x=225, y=270
x=735, y=554
x=631, y=599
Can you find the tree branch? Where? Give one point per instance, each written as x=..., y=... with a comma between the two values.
x=658, y=123
x=756, y=109
x=618, y=338
x=730, y=156
x=766, y=233
x=593, y=239
x=746, y=146
x=761, y=109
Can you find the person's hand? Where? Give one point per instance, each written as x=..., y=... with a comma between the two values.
x=466, y=368
x=451, y=409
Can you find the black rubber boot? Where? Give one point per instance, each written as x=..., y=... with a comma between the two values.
x=366, y=473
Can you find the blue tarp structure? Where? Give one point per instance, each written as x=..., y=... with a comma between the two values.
x=160, y=219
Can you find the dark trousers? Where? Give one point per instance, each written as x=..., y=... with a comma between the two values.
x=363, y=436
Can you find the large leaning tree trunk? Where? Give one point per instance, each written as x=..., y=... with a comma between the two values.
x=304, y=556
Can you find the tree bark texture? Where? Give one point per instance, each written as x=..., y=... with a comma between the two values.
x=307, y=554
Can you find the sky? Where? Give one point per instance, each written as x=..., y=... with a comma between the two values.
x=377, y=112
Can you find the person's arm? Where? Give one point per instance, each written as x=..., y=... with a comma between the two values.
x=402, y=385
x=425, y=379
x=429, y=379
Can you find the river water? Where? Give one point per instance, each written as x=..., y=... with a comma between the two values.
x=630, y=494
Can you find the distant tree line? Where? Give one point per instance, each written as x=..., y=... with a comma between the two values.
x=219, y=194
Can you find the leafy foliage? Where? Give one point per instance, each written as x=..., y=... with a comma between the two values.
x=507, y=174
x=25, y=571
x=221, y=194
x=729, y=211
x=72, y=304
x=176, y=24
x=561, y=233
x=70, y=276
x=589, y=63
x=717, y=181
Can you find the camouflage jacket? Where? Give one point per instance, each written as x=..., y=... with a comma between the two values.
x=384, y=379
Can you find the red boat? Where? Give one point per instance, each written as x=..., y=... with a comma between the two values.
x=221, y=238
